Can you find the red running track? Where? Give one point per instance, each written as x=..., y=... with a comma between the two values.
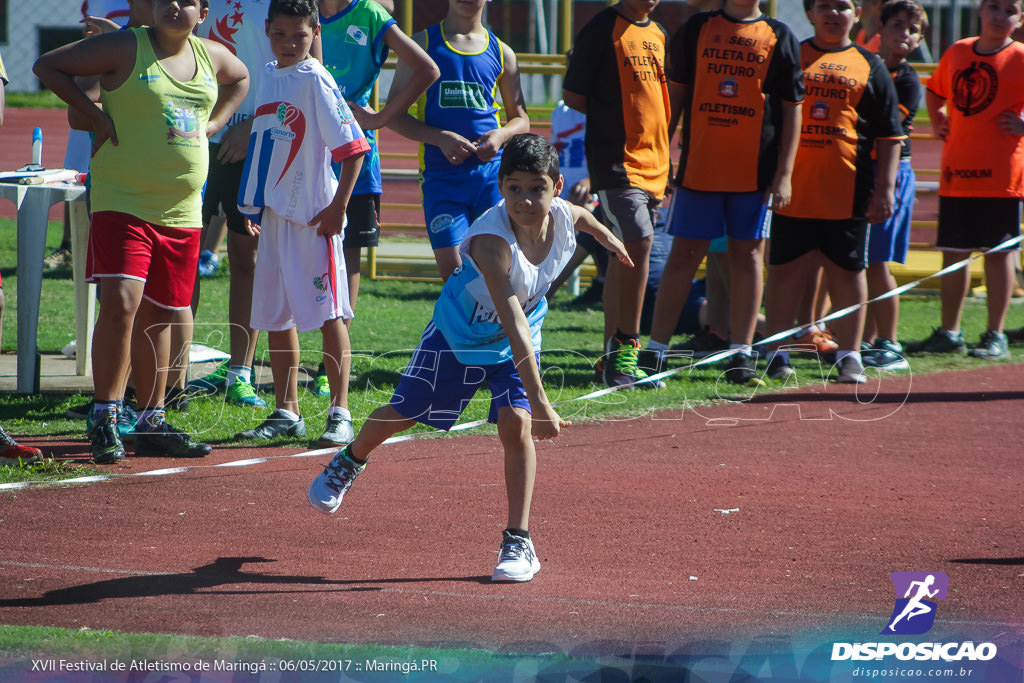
x=833, y=488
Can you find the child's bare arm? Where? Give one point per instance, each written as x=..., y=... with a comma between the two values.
x=887, y=152
x=110, y=57
x=677, y=98
x=494, y=258
x=455, y=147
x=516, y=119
x=233, y=82
x=780, y=192
x=421, y=72
x=329, y=221
x=937, y=113
x=586, y=222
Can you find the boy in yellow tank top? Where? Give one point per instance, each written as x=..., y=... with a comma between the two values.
x=164, y=92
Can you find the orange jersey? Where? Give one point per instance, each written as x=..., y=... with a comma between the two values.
x=978, y=160
x=619, y=66
x=736, y=74
x=850, y=102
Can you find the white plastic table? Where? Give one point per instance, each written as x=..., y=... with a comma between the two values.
x=34, y=202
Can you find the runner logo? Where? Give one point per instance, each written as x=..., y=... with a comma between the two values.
x=916, y=595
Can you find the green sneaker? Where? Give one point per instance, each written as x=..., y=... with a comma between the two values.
x=242, y=394
x=322, y=386
x=213, y=382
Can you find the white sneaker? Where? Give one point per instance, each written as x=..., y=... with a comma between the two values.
x=851, y=371
x=329, y=487
x=518, y=560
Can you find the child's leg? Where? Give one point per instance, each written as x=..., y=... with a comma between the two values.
x=847, y=288
x=242, y=260
x=284, y=364
x=787, y=282
x=151, y=353
x=520, y=464
x=883, y=316
x=337, y=360
x=745, y=268
x=999, y=280
x=448, y=259
x=683, y=260
x=111, y=339
x=953, y=290
x=383, y=423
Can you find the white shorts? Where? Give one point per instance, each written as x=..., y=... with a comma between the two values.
x=300, y=279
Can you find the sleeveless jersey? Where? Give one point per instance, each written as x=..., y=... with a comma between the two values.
x=978, y=160
x=239, y=25
x=465, y=313
x=568, y=130
x=158, y=169
x=464, y=99
x=301, y=124
x=619, y=66
x=850, y=102
x=737, y=74
x=354, y=52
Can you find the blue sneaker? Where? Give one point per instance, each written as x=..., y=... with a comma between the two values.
x=208, y=263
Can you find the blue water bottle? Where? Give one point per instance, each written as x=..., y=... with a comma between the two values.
x=37, y=147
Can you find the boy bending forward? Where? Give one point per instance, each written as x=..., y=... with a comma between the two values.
x=486, y=326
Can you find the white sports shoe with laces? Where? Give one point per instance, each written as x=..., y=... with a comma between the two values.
x=517, y=561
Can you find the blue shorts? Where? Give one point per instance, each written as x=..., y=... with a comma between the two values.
x=890, y=240
x=453, y=200
x=436, y=387
x=707, y=215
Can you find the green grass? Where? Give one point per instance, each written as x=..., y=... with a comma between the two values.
x=42, y=99
x=389, y=320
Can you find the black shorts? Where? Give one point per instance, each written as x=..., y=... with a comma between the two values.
x=363, y=214
x=222, y=183
x=844, y=242
x=977, y=223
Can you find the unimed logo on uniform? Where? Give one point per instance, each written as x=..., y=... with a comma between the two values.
x=460, y=94
x=916, y=595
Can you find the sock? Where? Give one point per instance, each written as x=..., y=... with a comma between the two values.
x=784, y=355
x=320, y=369
x=287, y=414
x=348, y=454
x=101, y=408
x=840, y=355
x=744, y=349
x=338, y=410
x=238, y=373
x=65, y=244
x=150, y=420
x=521, y=533
x=660, y=347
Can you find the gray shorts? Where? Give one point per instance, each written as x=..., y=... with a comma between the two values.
x=629, y=212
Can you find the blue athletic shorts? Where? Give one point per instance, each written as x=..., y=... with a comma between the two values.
x=707, y=215
x=890, y=240
x=435, y=388
x=453, y=200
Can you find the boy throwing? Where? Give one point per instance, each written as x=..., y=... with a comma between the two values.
x=487, y=326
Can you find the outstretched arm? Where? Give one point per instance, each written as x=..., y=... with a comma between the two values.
x=586, y=222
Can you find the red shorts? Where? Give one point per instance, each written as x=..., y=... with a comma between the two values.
x=122, y=245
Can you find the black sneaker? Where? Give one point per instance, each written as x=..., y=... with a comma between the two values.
x=651, y=362
x=169, y=443
x=620, y=366
x=338, y=432
x=993, y=346
x=177, y=398
x=881, y=359
x=1015, y=336
x=742, y=370
x=274, y=426
x=106, y=442
x=703, y=344
x=82, y=411
x=940, y=341
x=779, y=369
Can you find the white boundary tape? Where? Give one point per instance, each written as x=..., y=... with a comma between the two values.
x=714, y=358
